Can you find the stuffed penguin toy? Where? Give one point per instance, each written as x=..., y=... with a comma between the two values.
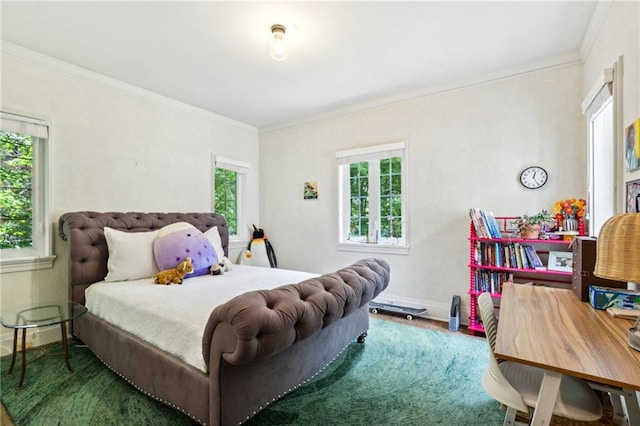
x=262, y=253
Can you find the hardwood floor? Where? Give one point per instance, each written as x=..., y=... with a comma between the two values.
x=5, y=420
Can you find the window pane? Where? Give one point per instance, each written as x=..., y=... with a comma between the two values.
x=396, y=206
x=391, y=197
x=364, y=187
x=16, y=204
x=396, y=165
x=226, y=197
x=385, y=166
x=359, y=204
x=385, y=184
x=396, y=185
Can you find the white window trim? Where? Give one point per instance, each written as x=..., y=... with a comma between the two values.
x=41, y=256
x=344, y=158
x=242, y=168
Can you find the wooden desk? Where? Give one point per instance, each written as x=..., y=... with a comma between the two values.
x=552, y=329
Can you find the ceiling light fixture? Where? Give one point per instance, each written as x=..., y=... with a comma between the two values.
x=278, y=47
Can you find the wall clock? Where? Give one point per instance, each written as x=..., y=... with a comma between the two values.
x=533, y=177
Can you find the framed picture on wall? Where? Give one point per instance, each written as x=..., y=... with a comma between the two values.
x=310, y=190
x=560, y=261
x=633, y=196
x=632, y=145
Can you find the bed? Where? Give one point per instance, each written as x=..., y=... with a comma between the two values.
x=255, y=347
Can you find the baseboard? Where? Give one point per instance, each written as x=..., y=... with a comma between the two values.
x=435, y=310
x=35, y=337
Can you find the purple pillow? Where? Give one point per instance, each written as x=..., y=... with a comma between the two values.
x=171, y=249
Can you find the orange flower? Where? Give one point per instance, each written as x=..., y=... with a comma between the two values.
x=569, y=209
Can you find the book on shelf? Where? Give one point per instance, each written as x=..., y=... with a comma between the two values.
x=484, y=223
x=475, y=219
x=507, y=255
x=492, y=224
x=491, y=281
x=533, y=257
x=478, y=223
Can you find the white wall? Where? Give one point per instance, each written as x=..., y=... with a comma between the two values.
x=115, y=148
x=467, y=148
x=619, y=35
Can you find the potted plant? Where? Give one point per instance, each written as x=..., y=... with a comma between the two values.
x=529, y=225
x=569, y=213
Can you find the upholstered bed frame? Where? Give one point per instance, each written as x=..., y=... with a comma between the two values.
x=254, y=356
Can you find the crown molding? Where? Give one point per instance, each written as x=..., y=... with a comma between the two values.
x=559, y=61
x=595, y=24
x=8, y=48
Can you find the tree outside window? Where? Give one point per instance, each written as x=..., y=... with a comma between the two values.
x=25, y=223
x=226, y=197
x=16, y=202
x=373, y=196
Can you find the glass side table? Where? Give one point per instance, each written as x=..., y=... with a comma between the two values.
x=39, y=315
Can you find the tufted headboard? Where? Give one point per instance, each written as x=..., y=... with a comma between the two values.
x=88, y=252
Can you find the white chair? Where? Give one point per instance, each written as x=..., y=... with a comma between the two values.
x=517, y=385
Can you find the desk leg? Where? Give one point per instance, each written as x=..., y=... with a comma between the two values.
x=65, y=348
x=24, y=356
x=15, y=350
x=631, y=401
x=546, y=399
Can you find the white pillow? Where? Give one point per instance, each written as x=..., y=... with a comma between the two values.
x=130, y=255
x=214, y=238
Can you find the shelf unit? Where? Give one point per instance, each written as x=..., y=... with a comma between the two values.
x=487, y=270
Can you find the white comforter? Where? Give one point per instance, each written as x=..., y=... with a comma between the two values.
x=173, y=317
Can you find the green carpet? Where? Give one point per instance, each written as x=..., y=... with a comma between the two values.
x=402, y=375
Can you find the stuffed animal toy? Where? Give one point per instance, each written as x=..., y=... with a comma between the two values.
x=176, y=275
x=261, y=249
x=222, y=267
x=216, y=269
x=177, y=241
x=225, y=263
x=245, y=257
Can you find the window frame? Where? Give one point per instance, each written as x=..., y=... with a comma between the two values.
x=41, y=255
x=372, y=154
x=242, y=173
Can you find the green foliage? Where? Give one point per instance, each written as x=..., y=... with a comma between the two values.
x=16, y=205
x=226, y=197
x=359, y=185
x=391, y=197
x=526, y=222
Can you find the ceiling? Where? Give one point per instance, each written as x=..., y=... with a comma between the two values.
x=214, y=55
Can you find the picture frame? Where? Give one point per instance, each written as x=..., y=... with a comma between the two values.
x=560, y=261
x=632, y=146
x=633, y=196
x=310, y=191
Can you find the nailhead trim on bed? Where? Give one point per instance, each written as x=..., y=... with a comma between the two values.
x=147, y=393
x=304, y=382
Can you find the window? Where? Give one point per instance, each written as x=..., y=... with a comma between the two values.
x=373, y=198
x=599, y=109
x=230, y=194
x=602, y=170
x=25, y=232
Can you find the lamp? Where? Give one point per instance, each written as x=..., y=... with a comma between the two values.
x=277, y=46
x=618, y=256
